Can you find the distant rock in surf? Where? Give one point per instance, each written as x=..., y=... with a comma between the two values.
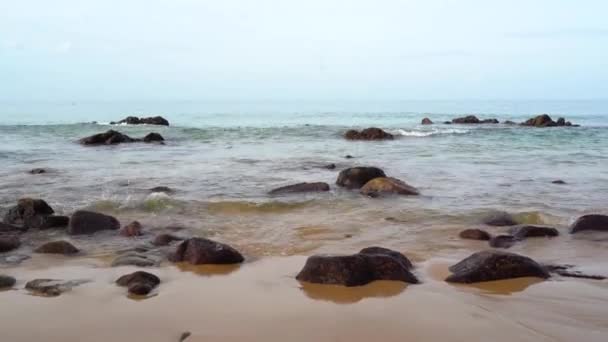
x=472, y=119
x=356, y=177
x=590, y=222
x=475, y=234
x=153, y=137
x=545, y=120
x=426, y=121
x=370, y=264
x=88, y=222
x=198, y=251
x=300, y=187
x=113, y=137
x=495, y=265
x=133, y=120
x=387, y=185
x=372, y=133
x=37, y=171
x=558, y=181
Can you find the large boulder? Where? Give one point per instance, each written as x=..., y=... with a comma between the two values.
x=139, y=283
x=426, y=121
x=525, y=231
x=495, y=265
x=387, y=185
x=374, y=263
x=57, y=247
x=499, y=219
x=301, y=187
x=356, y=177
x=372, y=133
x=590, y=222
x=6, y=281
x=133, y=120
x=88, y=222
x=110, y=137
x=199, y=251
x=29, y=213
x=475, y=234
x=8, y=243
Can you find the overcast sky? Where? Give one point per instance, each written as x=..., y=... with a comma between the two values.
x=306, y=49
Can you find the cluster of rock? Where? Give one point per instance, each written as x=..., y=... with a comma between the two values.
x=112, y=137
x=472, y=119
x=543, y=120
x=133, y=120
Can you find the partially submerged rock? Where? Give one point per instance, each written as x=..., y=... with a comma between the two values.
x=153, y=137
x=426, y=121
x=502, y=241
x=495, y=265
x=37, y=171
x=135, y=259
x=139, y=283
x=8, y=243
x=165, y=239
x=133, y=120
x=387, y=185
x=132, y=229
x=499, y=219
x=110, y=137
x=29, y=213
x=199, y=251
x=374, y=263
x=590, y=222
x=6, y=281
x=525, y=231
x=356, y=177
x=52, y=287
x=475, y=234
x=164, y=189
x=56, y=221
x=88, y=222
x=372, y=133
x=545, y=120
x=472, y=119
x=301, y=187
x=558, y=181
x=329, y=166
x=57, y=247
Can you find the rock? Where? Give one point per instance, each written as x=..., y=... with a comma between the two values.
x=509, y=122
x=489, y=121
x=558, y=181
x=139, y=283
x=372, y=133
x=564, y=271
x=132, y=229
x=499, y=219
x=184, y=336
x=301, y=187
x=356, y=177
x=447, y=122
x=37, y=171
x=199, y=251
x=57, y=247
x=426, y=121
x=6, y=281
x=330, y=166
x=469, y=119
x=475, y=234
x=348, y=156
x=358, y=269
x=164, y=189
x=8, y=243
x=135, y=259
x=52, y=287
x=561, y=122
x=165, y=239
x=88, y=222
x=156, y=120
x=153, y=137
x=5, y=227
x=525, y=231
x=502, y=241
x=29, y=213
x=56, y=221
x=545, y=120
x=590, y=222
x=383, y=185
x=110, y=137
x=495, y=265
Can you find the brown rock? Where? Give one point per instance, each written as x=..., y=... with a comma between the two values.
x=139, y=283
x=88, y=222
x=29, y=213
x=384, y=185
x=590, y=222
x=475, y=234
x=372, y=133
x=57, y=247
x=8, y=243
x=499, y=219
x=199, y=251
x=356, y=177
x=301, y=187
x=132, y=229
x=526, y=231
x=426, y=121
x=502, y=241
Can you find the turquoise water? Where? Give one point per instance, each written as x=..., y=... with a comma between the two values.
x=223, y=158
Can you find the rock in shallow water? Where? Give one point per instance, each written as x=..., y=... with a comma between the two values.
x=29, y=213
x=495, y=265
x=475, y=234
x=52, y=287
x=139, y=283
x=135, y=259
x=426, y=121
x=132, y=229
x=198, y=251
x=502, y=241
x=8, y=243
x=110, y=137
x=153, y=137
x=590, y=222
x=88, y=222
x=374, y=263
x=499, y=219
x=133, y=120
x=301, y=187
x=6, y=281
x=525, y=231
x=356, y=177
x=387, y=185
x=372, y=133
x=57, y=247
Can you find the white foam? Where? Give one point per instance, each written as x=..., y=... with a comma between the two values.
x=434, y=131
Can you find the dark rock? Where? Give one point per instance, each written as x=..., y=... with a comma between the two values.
x=110, y=137
x=356, y=177
x=558, y=181
x=6, y=281
x=475, y=234
x=383, y=185
x=5, y=227
x=88, y=222
x=545, y=120
x=330, y=166
x=358, y=269
x=165, y=239
x=348, y=156
x=499, y=219
x=184, y=336
x=164, y=189
x=561, y=122
x=132, y=229
x=8, y=243
x=52, y=287
x=135, y=259
x=372, y=133
x=489, y=121
x=199, y=251
x=495, y=265
x=156, y=120
x=37, y=171
x=469, y=119
x=447, y=122
x=509, y=122
x=153, y=137
x=526, y=231
x=29, y=213
x=56, y=221
x=564, y=271
x=301, y=187
x=590, y=222
x=426, y=121
x=57, y=247
x=502, y=241
x=139, y=283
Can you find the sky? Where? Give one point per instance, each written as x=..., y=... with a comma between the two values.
x=73, y=50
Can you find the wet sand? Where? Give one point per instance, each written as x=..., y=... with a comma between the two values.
x=261, y=301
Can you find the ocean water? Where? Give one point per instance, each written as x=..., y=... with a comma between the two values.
x=222, y=159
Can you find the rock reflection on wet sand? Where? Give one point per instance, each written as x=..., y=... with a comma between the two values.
x=347, y=295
